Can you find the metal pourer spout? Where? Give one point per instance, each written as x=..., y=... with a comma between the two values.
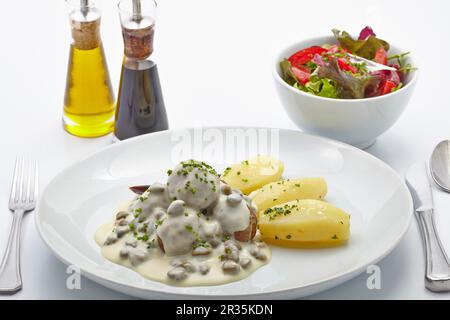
x=137, y=10
x=84, y=7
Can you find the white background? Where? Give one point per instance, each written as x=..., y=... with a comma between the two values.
x=215, y=59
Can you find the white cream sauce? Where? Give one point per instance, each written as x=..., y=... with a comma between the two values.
x=184, y=232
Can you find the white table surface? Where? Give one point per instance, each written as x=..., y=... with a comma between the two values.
x=215, y=60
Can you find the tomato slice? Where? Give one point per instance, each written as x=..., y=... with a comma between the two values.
x=381, y=56
x=304, y=56
x=302, y=74
x=345, y=66
x=388, y=87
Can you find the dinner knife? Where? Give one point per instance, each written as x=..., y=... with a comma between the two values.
x=437, y=276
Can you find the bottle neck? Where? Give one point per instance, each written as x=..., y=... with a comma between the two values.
x=134, y=64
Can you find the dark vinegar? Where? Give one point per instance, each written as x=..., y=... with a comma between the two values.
x=140, y=106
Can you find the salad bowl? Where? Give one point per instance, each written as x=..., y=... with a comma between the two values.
x=355, y=121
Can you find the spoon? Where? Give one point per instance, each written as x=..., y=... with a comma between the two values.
x=440, y=165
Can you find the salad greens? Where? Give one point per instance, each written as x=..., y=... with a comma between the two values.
x=350, y=85
x=363, y=47
x=330, y=71
x=402, y=62
x=322, y=87
x=287, y=73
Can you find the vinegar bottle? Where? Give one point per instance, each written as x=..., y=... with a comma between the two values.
x=89, y=98
x=140, y=104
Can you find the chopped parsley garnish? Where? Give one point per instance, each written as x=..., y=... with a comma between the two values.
x=143, y=238
x=142, y=198
x=190, y=165
x=169, y=172
x=200, y=243
x=187, y=186
x=335, y=237
x=289, y=237
x=227, y=171
x=158, y=222
x=285, y=210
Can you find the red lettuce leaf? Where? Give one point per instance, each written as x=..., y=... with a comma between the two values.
x=365, y=33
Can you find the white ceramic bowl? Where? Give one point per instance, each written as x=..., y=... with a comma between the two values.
x=358, y=122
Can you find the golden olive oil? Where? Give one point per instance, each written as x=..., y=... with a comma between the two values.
x=89, y=99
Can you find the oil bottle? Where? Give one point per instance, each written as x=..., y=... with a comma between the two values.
x=89, y=97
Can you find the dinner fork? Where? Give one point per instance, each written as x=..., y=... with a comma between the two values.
x=24, y=194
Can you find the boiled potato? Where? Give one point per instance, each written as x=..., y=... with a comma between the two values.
x=283, y=191
x=305, y=223
x=252, y=174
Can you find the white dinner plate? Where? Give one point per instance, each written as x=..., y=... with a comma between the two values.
x=85, y=195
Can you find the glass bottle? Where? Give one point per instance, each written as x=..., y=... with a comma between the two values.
x=140, y=105
x=89, y=97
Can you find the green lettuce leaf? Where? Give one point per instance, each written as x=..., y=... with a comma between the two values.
x=363, y=48
x=286, y=72
x=322, y=87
